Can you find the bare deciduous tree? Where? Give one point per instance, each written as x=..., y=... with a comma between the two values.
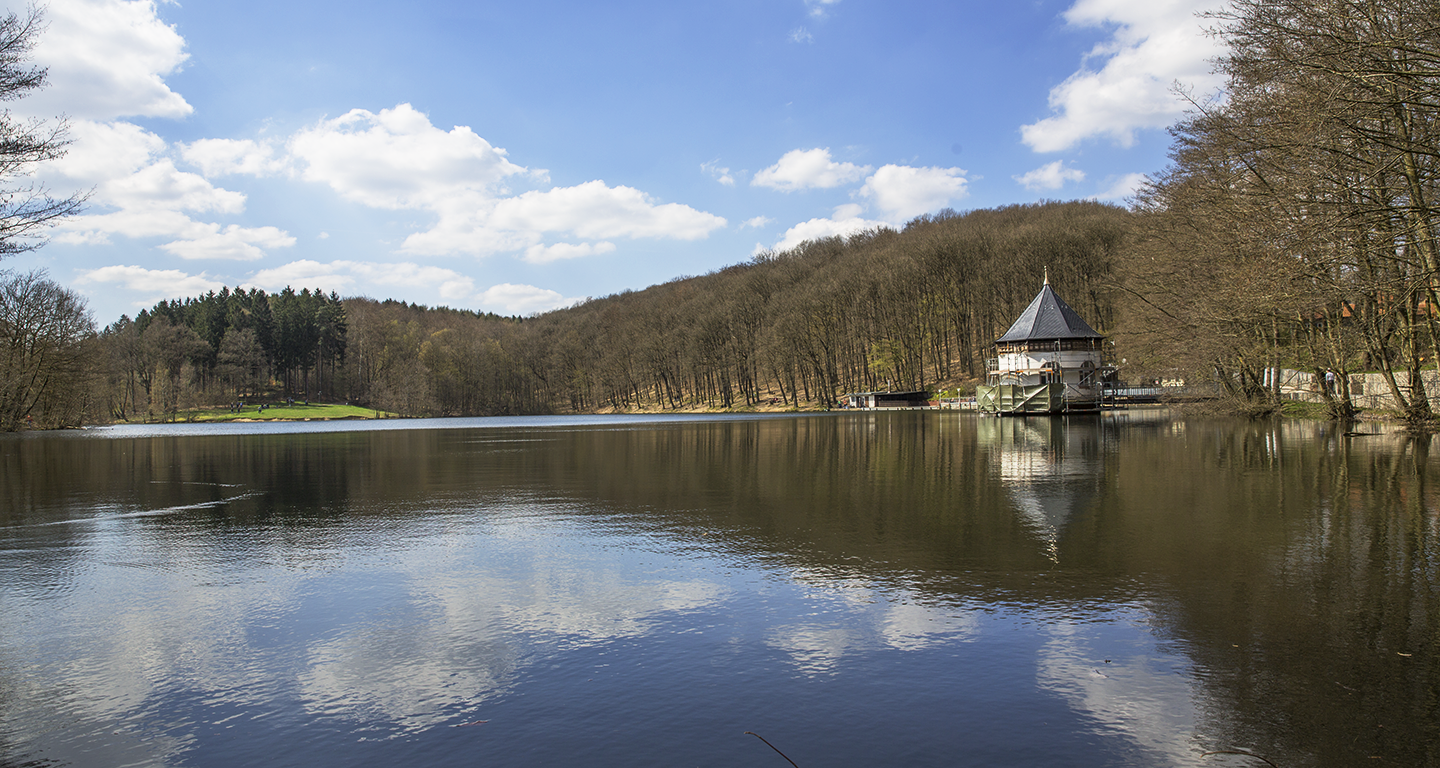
x=44, y=364
x=26, y=208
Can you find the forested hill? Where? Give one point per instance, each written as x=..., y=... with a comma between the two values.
x=879, y=310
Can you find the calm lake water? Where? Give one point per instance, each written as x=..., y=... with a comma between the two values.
x=860, y=589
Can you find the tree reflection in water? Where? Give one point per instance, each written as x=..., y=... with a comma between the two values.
x=1140, y=588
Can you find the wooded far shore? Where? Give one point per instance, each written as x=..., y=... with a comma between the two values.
x=1296, y=227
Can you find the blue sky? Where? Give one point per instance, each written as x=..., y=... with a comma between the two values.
x=515, y=157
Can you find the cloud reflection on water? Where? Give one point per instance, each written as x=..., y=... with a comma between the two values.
x=463, y=633
x=1129, y=695
x=849, y=616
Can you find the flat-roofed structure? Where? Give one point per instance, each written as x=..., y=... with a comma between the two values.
x=874, y=400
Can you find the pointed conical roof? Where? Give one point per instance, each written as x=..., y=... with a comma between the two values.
x=1048, y=317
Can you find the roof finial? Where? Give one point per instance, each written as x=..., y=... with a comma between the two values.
x=1047, y=274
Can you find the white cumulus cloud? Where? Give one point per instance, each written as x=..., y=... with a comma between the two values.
x=101, y=152
x=161, y=185
x=846, y=221
x=1156, y=43
x=903, y=192
x=1123, y=187
x=222, y=157
x=1049, y=176
x=151, y=285
x=211, y=241
x=544, y=254
x=808, y=169
x=397, y=160
x=139, y=193
x=107, y=59
x=896, y=192
x=594, y=210
x=344, y=276
x=334, y=276
x=511, y=299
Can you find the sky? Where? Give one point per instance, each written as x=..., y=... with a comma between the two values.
x=518, y=157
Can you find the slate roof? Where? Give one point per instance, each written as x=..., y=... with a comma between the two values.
x=1048, y=317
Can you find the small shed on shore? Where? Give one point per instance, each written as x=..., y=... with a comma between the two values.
x=872, y=400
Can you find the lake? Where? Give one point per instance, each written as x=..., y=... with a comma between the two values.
x=859, y=589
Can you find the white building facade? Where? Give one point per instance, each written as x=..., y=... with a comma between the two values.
x=1049, y=361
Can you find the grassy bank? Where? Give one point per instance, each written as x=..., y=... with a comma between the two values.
x=283, y=412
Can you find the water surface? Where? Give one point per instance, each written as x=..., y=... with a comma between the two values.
x=860, y=589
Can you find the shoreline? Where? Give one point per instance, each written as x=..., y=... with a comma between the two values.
x=308, y=413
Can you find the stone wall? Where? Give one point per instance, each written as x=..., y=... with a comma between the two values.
x=1367, y=390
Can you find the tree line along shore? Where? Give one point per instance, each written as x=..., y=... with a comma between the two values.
x=915, y=309
x=1295, y=227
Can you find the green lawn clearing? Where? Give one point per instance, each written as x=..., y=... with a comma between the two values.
x=283, y=412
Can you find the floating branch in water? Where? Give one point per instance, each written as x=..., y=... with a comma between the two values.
x=777, y=749
x=1238, y=752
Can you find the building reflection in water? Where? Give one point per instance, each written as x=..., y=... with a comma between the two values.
x=1054, y=470
x=1050, y=466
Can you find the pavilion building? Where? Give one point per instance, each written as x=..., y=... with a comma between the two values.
x=1050, y=361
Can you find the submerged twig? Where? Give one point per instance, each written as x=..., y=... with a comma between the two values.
x=772, y=746
x=1238, y=752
